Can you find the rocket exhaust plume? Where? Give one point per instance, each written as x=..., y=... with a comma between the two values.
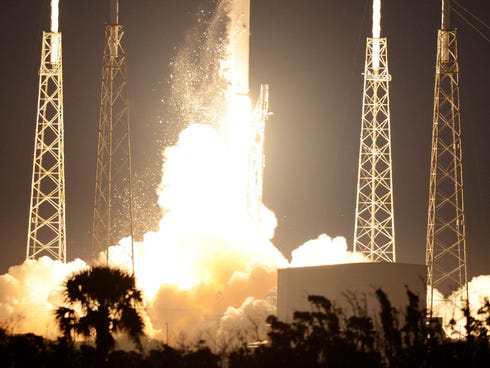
x=376, y=31
x=55, y=40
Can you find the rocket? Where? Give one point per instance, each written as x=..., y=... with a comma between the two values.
x=239, y=34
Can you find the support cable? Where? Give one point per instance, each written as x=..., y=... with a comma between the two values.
x=475, y=28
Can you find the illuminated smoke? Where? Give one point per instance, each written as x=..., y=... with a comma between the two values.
x=208, y=254
x=478, y=290
x=243, y=324
x=324, y=251
x=376, y=31
x=29, y=292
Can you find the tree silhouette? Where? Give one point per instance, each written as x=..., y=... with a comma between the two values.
x=103, y=301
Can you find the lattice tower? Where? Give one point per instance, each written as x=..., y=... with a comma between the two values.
x=374, y=234
x=113, y=207
x=256, y=157
x=446, y=244
x=47, y=229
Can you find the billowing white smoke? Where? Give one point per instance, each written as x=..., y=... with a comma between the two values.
x=29, y=292
x=244, y=324
x=55, y=37
x=208, y=254
x=478, y=291
x=324, y=251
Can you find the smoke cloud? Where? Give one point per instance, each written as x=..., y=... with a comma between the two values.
x=324, y=251
x=29, y=292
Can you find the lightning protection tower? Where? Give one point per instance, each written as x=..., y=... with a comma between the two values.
x=113, y=208
x=46, y=233
x=256, y=156
x=446, y=245
x=374, y=234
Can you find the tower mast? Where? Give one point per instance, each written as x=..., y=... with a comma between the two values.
x=374, y=234
x=446, y=244
x=113, y=202
x=47, y=229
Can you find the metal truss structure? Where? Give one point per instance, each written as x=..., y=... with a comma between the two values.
x=47, y=228
x=374, y=234
x=113, y=207
x=256, y=158
x=446, y=246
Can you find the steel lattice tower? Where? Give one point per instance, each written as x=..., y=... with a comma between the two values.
x=113, y=211
x=257, y=158
x=446, y=246
x=47, y=229
x=374, y=234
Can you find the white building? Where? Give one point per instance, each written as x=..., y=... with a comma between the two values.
x=361, y=280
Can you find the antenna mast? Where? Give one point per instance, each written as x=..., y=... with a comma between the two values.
x=113, y=202
x=374, y=234
x=446, y=243
x=47, y=229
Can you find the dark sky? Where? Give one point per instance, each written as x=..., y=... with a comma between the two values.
x=311, y=52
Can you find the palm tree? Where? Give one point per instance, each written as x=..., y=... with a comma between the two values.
x=103, y=300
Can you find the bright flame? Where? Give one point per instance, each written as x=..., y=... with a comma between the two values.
x=376, y=32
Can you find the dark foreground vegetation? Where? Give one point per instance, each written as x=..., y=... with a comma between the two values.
x=322, y=337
